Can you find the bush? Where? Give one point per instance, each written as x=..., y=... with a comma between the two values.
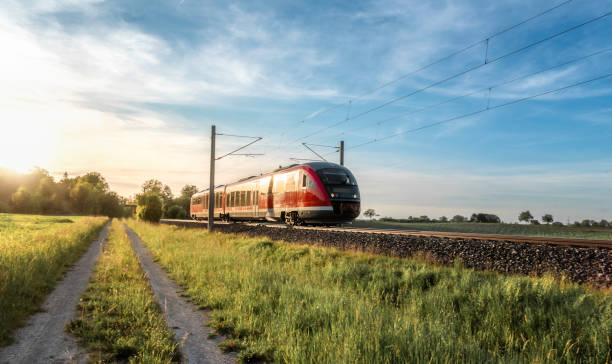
x=486, y=218
x=149, y=207
x=176, y=212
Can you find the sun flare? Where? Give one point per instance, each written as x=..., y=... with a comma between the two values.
x=24, y=143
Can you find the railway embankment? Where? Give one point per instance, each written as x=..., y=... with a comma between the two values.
x=592, y=265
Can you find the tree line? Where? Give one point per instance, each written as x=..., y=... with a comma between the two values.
x=476, y=217
x=524, y=216
x=37, y=192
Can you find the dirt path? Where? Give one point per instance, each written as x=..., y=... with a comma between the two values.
x=183, y=317
x=44, y=338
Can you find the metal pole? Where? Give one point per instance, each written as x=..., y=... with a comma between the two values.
x=211, y=189
x=342, y=152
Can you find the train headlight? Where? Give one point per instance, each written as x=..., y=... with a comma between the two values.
x=332, y=195
x=355, y=196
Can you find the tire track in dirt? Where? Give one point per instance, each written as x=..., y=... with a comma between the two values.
x=44, y=338
x=186, y=321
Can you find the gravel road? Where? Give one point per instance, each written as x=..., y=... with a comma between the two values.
x=183, y=317
x=44, y=338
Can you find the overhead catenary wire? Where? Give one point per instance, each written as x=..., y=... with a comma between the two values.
x=431, y=64
x=456, y=75
x=481, y=111
x=489, y=88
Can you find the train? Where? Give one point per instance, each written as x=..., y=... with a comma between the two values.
x=320, y=193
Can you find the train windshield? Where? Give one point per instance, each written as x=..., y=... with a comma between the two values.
x=336, y=176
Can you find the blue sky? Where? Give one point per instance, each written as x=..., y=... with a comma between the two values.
x=130, y=89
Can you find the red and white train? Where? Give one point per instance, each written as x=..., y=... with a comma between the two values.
x=314, y=193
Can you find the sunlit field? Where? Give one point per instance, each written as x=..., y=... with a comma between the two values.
x=294, y=303
x=120, y=319
x=34, y=253
x=505, y=229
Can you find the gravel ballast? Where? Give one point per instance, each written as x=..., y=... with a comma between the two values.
x=578, y=264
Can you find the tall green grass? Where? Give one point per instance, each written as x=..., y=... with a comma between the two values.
x=293, y=303
x=504, y=229
x=34, y=253
x=120, y=319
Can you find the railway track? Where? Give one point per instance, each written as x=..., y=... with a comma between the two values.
x=587, y=243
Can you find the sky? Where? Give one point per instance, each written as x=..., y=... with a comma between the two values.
x=434, y=104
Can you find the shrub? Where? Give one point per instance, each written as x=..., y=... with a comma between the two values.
x=176, y=212
x=149, y=207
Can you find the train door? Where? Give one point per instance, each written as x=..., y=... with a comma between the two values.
x=270, y=199
x=256, y=200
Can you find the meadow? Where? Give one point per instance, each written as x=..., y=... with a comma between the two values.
x=35, y=251
x=504, y=229
x=294, y=303
x=120, y=319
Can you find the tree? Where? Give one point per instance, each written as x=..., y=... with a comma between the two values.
x=443, y=219
x=110, y=205
x=535, y=222
x=83, y=197
x=152, y=185
x=184, y=200
x=149, y=206
x=96, y=180
x=525, y=216
x=22, y=200
x=548, y=218
x=458, y=218
x=370, y=213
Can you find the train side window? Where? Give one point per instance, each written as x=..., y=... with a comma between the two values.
x=242, y=198
x=311, y=184
x=249, y=198
x=304, y=180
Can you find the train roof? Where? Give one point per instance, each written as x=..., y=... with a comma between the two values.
x=316, y=166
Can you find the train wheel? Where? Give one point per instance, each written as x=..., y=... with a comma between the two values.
x=293, y=219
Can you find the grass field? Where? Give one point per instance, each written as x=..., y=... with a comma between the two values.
x=293, y=303
x=505, y=229
x=120, y=319
x=34, y=253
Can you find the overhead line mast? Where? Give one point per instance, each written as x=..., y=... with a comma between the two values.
x=211, y=189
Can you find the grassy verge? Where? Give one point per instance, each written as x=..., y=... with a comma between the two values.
x=120, y=319
x=504, y=229
x=35, y=251
x=292, y=303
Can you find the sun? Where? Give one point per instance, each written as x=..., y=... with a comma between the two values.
x=24, y=144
